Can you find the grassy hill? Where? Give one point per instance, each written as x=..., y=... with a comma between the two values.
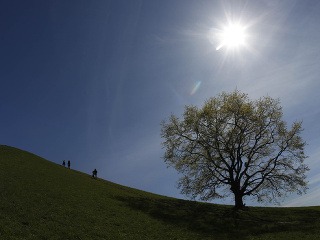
x=42, y=200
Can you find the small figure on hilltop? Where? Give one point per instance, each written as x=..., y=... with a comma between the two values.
x=94, y=173
x=64, y=163
x=69, y=164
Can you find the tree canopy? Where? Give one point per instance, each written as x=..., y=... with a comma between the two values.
x=234, y=145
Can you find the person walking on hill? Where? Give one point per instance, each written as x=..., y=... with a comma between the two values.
x=64, y=163
x=94, y=173
x=69, y=164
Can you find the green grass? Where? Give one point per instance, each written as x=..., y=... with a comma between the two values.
x=42, y=200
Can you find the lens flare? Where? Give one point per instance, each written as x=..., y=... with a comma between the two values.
x=195, y=87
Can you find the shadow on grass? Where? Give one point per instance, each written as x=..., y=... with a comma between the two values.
x=223, y=221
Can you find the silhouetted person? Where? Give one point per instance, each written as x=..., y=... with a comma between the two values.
x=69, y=164
x=64, y=163
x=94, y=173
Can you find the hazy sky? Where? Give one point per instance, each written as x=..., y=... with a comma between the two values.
x=90, y=81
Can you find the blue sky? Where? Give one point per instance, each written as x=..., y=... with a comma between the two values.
x=90, y=81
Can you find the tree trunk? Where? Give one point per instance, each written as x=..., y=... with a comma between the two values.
x=238, y=201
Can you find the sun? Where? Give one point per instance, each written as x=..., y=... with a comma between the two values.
x=231, y=36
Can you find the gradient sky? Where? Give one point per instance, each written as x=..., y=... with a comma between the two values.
x=90, y=81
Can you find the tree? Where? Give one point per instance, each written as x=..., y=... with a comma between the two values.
x=236, y=145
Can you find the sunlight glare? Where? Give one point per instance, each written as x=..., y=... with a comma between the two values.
x=232, y=36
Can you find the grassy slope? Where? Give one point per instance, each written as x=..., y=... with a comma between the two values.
x=42, y=200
